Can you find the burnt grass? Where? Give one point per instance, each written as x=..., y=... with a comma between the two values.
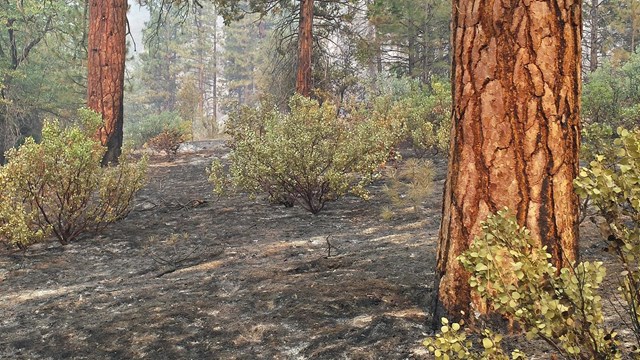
x=188, y=275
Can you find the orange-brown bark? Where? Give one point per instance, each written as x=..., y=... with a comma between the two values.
x=106, y=60
x=304, y=81
x=515, y=135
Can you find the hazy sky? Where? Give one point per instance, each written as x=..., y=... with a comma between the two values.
x=137, y=16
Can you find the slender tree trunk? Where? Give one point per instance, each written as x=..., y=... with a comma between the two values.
x=515, y=134
x=305, y=44
x=411, y=61
x=593, y=38
x=427, y=49
x=379, y=56
x=203, y=118
x=634, y=24
x=107, y=50
x=213, y=126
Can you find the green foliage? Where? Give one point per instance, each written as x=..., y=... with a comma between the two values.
x=421, y=117
x=168, y=141
x=41, y=66
x=418, y=31
x=612, y=93
x=428, y=117
x=141, y=131
x=408, y=186
x=175, y=78
x=613, y=185
x=308, y=156
x=453, y=343
x=597, y=139
x=511, y=272
x=244, y=53
x=58, y=187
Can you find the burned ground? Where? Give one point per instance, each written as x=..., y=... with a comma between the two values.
x=190, y=275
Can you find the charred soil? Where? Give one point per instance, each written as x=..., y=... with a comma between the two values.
x=188, y=275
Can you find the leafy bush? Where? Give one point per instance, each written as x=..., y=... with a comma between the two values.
x=513, y=275
x=597, y=139
x=611, y=94
x=168, y=141
x=613, y=185
x=613, y=182
x=308, y=156
x=428, y=118
x=58, y=187
x=421, y=118
x=140, y=131
x=453, y=343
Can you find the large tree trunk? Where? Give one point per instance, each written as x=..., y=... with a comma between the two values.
x=105, y=82
x=515, y=134
x=305, y=44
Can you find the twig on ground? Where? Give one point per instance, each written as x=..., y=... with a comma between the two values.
x=329, y=246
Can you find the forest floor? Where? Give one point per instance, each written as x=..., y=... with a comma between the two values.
x=188, y=275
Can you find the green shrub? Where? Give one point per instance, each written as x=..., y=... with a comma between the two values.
x=428, y=118
x=453, y=343
x=421, y=118
x=308, y=156
x=613, y=185
x=613, y=181
x=611, y=94
x=58, y=187
x=597, y=139
x=168, y=141
x=140, y=131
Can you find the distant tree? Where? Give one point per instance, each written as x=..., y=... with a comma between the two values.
x=412, y=36
x=204, y=56
x=178, y=67
x=515, y=134
x=308, y=15
x=106, y=62
x=242, y=57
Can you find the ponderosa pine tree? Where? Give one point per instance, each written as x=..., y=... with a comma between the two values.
x=305, y=45
x=516, y=131
x=106, y=61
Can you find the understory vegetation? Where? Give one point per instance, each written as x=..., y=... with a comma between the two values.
x=312, y=154
x=57, y=186
x=308, y=156
x=407, y=186
x=161, y=132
